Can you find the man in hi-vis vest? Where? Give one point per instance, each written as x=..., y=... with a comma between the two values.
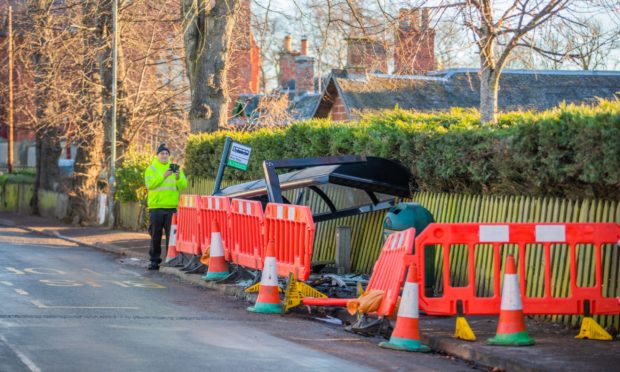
x=164, y=180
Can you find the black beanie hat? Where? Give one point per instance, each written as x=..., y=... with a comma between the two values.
x=161, y=148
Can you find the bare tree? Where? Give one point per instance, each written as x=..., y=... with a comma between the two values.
x=208, y=29
x=589, y=45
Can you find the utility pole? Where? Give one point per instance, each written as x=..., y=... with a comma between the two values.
x=112, y=181
x=10, y=134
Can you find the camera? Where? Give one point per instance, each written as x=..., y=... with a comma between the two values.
x=174, y=167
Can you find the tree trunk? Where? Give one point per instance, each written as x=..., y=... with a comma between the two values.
x=88, y=165
x=489, y=88
x=47, y=138
x=89, y=158
x=207, y=39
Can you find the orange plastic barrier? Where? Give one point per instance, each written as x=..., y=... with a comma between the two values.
x=524, y=236
x=388, y=274
x=215, y=208
x=246, y=239
x=291, y=227
x=189, y=227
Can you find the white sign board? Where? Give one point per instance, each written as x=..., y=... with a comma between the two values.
x=239, y=156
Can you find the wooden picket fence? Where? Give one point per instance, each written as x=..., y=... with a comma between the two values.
x=366, y=239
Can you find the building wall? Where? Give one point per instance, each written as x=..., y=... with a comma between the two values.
x=338, y=111
x=244, y=60
x=367, y=55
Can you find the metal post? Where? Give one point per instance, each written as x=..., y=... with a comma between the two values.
x=222, y=167
x=112, y=182
x=9, y=159
x=343, y=249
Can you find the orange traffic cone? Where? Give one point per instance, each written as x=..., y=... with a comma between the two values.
x=218, y=268
x=511, y=329
x=172, y=244
x=406, y=334
x=268, y=300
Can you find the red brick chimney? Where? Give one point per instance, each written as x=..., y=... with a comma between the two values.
x=304, y=46
x=286, y=75
x=414, y=49
x=304, y=72
x=366, y=55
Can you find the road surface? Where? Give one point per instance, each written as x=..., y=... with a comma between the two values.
x=71, y=308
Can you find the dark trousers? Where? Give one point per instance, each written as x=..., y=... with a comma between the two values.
x=159, y=219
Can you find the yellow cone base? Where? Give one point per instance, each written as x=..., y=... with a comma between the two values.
x=463, y=331
x=295, y=290
x=591, y=330
x=405, y=344
x=360, y=289
x=253, y=288
x=512, y=339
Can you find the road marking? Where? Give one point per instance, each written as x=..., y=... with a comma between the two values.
x=7, y=283
x=92, y=283
x=91, y=271
x=24, y=359
x=14, y=270
x=60, y=283
x=42, y=271
x=41, y=305
x=120, y=284
x=22, y=292
x=145, y=284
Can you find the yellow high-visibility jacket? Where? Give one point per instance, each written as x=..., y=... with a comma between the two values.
x=163, y=193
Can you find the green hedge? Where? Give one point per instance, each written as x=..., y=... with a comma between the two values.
x=571, y=151
x=20, y=176
x=130, y=177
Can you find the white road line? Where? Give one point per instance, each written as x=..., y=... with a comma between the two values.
x=6, y=283
x=22, y=292
x=24, y=359
x=14, y=270
x=91, y=271
x=41, y=305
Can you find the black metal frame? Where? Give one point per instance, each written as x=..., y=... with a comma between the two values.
x=222, y=167
x=274, y=193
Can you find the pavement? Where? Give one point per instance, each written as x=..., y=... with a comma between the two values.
x=555, y=349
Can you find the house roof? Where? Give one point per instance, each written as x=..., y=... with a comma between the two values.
x=303, y=107
x=441, y=90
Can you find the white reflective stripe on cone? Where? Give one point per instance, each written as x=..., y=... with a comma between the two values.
x=550, y=233
x=269, y=275
x=511, y=298
x=216, y=245
x=173, y=235
x=409, y=302
x=494, y=233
